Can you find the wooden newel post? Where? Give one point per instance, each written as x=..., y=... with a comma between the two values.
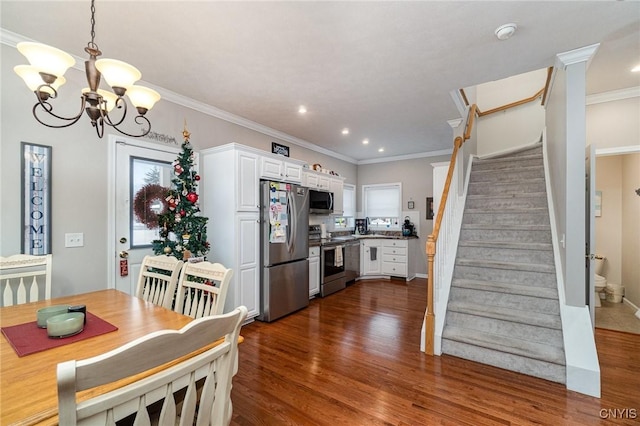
x=430, y=319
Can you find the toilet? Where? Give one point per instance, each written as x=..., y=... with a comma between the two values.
x=600, y=282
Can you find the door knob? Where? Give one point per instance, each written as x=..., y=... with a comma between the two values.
x=124, y=254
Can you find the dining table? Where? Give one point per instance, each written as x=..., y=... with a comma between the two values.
x=28, y=384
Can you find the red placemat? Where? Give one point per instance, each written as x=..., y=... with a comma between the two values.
x=27, y=338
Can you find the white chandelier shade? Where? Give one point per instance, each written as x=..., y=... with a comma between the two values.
x=33, y=79
x=46, y=59
x=118, y=73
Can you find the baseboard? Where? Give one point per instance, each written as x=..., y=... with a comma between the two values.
x=425, y=276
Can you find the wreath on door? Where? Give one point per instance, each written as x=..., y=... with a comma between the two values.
x=145, y=204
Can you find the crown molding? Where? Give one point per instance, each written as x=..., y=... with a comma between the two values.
x=613, y=95
x=407, y=157
x=582, y=54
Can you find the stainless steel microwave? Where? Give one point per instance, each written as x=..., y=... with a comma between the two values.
x=320, y=202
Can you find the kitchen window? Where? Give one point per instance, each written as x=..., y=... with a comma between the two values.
x=347, y=220
x=383, y=205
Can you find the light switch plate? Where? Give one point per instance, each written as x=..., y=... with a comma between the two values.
x=74, y=239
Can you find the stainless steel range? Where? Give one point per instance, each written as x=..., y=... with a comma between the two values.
x=333, y=261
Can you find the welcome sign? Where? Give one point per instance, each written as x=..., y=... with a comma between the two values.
x=36, y=199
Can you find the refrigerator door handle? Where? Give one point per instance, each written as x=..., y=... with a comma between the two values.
x=293, y=227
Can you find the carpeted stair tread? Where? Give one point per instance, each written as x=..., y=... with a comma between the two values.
x=490, y=197
x=492, y=226
x=539, y=319
x=532, y=367
x=517, y=210
x=506, y=245
x=534, y=267
x=506, y=344
x=509, y=288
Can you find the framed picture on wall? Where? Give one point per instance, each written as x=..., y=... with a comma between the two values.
x=35, y=204
x=429, y=208
x=598, y=203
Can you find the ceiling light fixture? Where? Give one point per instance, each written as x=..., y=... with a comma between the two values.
x=503, y=32
x=365, y=142
x=345, y=131
x=636, y=68
x=302, y=109
x=380, y=149
x=45, y=75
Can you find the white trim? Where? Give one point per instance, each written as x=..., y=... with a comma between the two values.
x=511, y=150
x=421, y=276
x=407, y=157
x=575, y=56
x=617, y=150
x=455, y=123
x=458, y=101
x=613, y=95
x=631, y=304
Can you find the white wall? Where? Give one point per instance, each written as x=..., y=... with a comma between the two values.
x=517, y=126
x=614, y=124
x=609, y=224
x=80, y=175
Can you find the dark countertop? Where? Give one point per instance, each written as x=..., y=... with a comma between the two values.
x=343, y=239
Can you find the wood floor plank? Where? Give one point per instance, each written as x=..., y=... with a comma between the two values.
x=353, y=358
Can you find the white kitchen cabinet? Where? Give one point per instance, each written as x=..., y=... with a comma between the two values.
x=248, y=279
x=314, y=271
x=394, y=257
x=371, y=257
x=228, y=199
x=337, y=187
x=274, y=168
x=247, y=180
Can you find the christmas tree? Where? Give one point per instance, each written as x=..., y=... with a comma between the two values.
x=183, y=233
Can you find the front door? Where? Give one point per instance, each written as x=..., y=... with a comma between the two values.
x=142, y=174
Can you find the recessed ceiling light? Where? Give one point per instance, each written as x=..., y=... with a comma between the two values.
x=302, y=109
x=345, y=131
x=365, y=141
x=636, y=68
x=505, y=31
x=380, y=149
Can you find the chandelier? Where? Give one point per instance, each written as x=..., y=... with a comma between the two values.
x=45, y=75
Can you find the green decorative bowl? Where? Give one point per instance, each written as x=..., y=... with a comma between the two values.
x=65, y=325
x=42, y=315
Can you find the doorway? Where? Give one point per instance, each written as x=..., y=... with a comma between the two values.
x=140, y=172
x=618, y=236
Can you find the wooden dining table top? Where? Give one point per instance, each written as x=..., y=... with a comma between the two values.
x=28, y=384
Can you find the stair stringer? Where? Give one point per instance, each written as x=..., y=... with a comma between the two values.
x=581, y=356
x=443, y=287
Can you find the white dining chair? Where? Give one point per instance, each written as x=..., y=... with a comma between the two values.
x=25, y=278
x=202, y=289
x=158, y=279
x=153, y=395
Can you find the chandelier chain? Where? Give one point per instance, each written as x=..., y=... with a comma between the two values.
x=93, y=26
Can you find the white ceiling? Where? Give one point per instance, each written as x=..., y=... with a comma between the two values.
x=385, y=70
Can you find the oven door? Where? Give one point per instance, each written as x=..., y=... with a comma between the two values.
x=331, y=269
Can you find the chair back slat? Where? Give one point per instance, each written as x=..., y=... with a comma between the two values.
x=25, y=278
x=140, y=399
x=158, y=279
x=202, y=289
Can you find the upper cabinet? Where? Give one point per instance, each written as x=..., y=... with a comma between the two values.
x=247, y=182
x=326, y=182
x=279, y=169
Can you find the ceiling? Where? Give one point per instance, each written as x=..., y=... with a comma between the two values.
x=385, y=70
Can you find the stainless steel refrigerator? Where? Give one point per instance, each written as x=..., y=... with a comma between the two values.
x=284, y=249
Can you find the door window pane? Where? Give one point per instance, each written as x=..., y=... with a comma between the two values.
x=150, y=183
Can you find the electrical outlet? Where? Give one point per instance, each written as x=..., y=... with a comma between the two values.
x=74, y=240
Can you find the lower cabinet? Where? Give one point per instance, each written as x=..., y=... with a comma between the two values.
x=370, y=257
x=248, y=261
x=314, y=271
x=388, y=257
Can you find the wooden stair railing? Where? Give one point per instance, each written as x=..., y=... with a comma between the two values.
x=430, y=319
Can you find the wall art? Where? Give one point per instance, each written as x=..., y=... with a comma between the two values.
x=36, y=198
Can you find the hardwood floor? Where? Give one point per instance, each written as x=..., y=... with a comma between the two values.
x=354, y=358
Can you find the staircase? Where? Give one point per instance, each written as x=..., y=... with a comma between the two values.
x=503, y=306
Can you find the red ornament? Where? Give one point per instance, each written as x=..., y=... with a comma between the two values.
x=183, y=213
x=192, y=197
x=197, y=177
